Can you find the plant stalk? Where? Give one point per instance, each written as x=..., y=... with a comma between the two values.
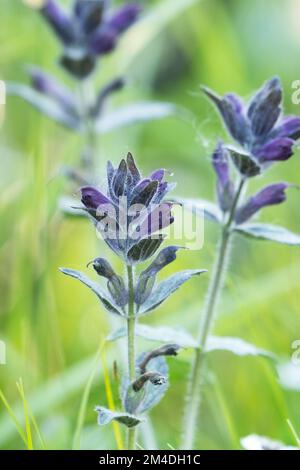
x=214, y=290
x=131, y=320
x=85, y=95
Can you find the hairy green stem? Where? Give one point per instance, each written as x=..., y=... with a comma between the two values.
x=216, y=282
x=131, y=345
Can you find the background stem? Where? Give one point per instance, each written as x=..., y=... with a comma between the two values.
x=86, y=97
x=131, y=344
x=216, y=282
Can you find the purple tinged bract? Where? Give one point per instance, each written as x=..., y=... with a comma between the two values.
x=270, y=195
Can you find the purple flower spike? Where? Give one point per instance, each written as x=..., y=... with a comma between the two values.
x=59, y=21
x=277, y=149
x=268, y=196
x=131, y=210
x=263, y=133
x=90, y=30
x=124, y=17
x=225, y=188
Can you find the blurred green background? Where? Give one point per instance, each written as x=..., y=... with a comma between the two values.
x=53, y=326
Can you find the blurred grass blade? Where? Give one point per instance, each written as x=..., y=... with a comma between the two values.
x=26, y=414
x=84, y=399
x=13, y=417
x=110, y=401
x=294, y=432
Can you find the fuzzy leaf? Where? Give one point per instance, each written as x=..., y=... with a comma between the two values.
x=45, y=105
x=270, y=232
x=154, y=393
x=71, y=207
x=165, y=288
x=255, y=442
x=289, y=375
x=201, y=207
x=105, y=416
x=164, y=334
x=95, y=287
x=134, y=113
x=236, y=346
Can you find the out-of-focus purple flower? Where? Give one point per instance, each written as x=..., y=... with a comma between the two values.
x=88, y=31
x=268, y=196
x=259, y=127
x=59, y=21
x=123, y=18
x=132, y=212
x=225, y=187
x=50, y=87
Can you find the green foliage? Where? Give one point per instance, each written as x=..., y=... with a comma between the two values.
x=51, y=328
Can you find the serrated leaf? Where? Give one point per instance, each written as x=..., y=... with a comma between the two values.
x=236, y=346
x=269, y=232
x=201, y=207
x=105, y=416
x=45, y=105
x=165, y=288
x=135, y=113
x=164, y=334
x=255, y=442
x=96, y=288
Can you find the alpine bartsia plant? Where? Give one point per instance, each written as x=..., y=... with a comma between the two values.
x=264, y=137
x=87, y=34
x=130, y=216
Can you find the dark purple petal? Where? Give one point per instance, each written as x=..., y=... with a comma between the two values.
x=231, y=109
x=119, y=179
x=58, y=19
x=143, y=194
x=89, y=13
x=166, y=256
x=225, y=187
x=220, y=161
x=50, y=87
x=124, y=17
x=147, y=278
x=277, y=149
x=270, y=195
x=288, y=127
x=92, y=198
x=264, y=108
x=133, y=169
x=161, y=217
x=158, y=174
x=103, y=41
